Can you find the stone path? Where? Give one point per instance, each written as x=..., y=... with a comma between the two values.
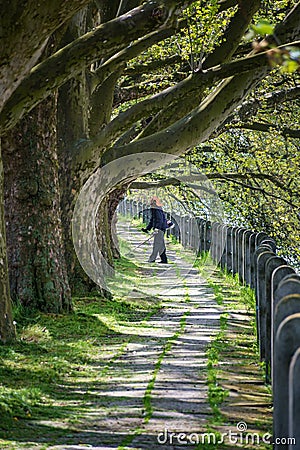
x=157, y=386
x=173, y=358
x=150, y=393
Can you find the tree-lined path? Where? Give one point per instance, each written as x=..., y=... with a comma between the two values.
x=157, y=380
x=87, y=85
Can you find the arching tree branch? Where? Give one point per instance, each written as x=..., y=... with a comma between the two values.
x=162, y=100
x=23, y=41
x=103, y=42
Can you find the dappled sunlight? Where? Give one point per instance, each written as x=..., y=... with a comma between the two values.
x=132, y=366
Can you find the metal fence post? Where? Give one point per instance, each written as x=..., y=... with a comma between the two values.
x=287, y=342
x=294, y=399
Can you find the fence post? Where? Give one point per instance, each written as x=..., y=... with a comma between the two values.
x=262, y=256
x=279, y=276
x=234, y=250
x=271, y=264
x=208, y=233
x=214, y=241
x=260, y=237
x=240, y=253
x=252, y=247
x=186, y=229
x=287, y=342
x=228, y=256
x=290, y=284
x=246, y=257
x=294, y=399
x=201, y=225
x=224, y=247
x=286, y=306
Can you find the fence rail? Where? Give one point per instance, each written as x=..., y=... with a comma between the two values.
x=252, y=256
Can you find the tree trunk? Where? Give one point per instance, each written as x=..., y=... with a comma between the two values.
x=72, y=129
x=7, y=329
x=114, y=199
x=106, y=225
x=104, y=231
x=38, y=274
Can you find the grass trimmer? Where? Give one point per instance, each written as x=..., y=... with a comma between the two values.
x=131, y=253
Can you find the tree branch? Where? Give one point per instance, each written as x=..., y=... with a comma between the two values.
x=232, y=37
x=226, y=4
x=152, y=66
x=119, y=59
x=155, y=184
x=148, y=107
x=24, y=39
x=67, y=62
x=234, y=33
x=263, y=191
x=250, y=108
x=267, y=127
x=209, y=176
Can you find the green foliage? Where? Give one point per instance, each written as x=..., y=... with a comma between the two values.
x=232, y=296
x=18, y=403
x=268, y=204
x=261, y=28
x=204, y=32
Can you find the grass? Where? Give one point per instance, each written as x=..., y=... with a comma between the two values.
x=231, y=296
x=54, y=353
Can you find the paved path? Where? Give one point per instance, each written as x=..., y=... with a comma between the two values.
x=166, y=375
x=155, y=385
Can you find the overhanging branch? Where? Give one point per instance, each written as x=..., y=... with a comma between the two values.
x=145, y=108
x=267, y=127
x=103, y=42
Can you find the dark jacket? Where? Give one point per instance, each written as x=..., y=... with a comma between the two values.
x=158, y=219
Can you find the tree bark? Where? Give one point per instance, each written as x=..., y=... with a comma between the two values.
x=106, y=224
x=7, y=329
x=27, y=27
x=102, y=42
x=38, y=274
x=72, y=128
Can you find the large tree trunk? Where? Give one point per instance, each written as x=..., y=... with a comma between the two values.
x=7, y=330
x=38, y=274
x=72, y=129
x=81, y=115
x=106, y=224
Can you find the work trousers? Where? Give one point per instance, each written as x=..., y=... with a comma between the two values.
x=159, y=245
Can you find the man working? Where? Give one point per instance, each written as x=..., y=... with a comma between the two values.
x=158, y=223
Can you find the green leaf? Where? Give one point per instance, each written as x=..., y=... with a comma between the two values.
x=263, y=27
x=289, y=66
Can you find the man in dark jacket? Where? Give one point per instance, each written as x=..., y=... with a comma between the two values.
x=158, y=223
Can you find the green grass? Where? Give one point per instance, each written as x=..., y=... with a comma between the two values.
x=231, y=296
x=54, y=353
